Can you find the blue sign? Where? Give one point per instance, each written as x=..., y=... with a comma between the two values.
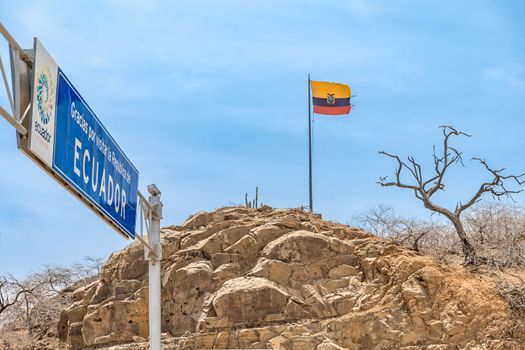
x=88, y=158
x=75, y=148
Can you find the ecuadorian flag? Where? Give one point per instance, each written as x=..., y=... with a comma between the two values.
x=330, y=98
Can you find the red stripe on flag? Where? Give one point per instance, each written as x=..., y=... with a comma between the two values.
x=332, y=110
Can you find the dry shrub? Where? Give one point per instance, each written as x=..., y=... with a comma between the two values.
x=50, y=290
x=496, y=231
x=514, y=294
x=409, y=231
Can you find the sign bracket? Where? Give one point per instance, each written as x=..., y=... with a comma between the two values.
x=145, y=212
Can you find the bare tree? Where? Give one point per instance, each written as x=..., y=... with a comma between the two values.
x=51, y=287
x=380, y=220
x=37, y=300
x=93, y=265
x=11, y=291
x=425, y=189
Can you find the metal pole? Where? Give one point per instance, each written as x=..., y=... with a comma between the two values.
x=310, y=146
x=154, y=258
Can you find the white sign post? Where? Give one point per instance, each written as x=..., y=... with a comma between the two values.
x=154, y=257
x=58, y=131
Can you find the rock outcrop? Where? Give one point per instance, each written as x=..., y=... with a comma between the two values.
x=284, y=279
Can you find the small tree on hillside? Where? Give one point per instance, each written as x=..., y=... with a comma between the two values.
x=38, y=299
x=425, y=189
x=11, y=292
x=49, y=288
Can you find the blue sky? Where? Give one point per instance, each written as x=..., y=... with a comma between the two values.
x=209, y=100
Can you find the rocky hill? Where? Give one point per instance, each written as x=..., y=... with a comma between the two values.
x=285, y=279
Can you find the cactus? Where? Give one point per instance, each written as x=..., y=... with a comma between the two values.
x=254, y=203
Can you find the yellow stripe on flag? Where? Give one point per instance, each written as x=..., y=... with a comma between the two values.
x=322, y=89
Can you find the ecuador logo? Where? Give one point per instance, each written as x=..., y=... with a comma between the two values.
x=45, y=95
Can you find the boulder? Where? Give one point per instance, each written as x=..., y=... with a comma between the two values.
x=248, y=300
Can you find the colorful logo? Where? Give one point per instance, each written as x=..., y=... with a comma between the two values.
x=45, y=96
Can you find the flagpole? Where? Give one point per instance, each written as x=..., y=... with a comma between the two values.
x=310, y=146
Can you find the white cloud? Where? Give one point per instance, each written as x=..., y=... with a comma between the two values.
x=511, y=74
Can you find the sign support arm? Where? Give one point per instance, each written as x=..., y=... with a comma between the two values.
x=7, y=89
x=11, y=120
x=146, y=244
x=15, y=45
